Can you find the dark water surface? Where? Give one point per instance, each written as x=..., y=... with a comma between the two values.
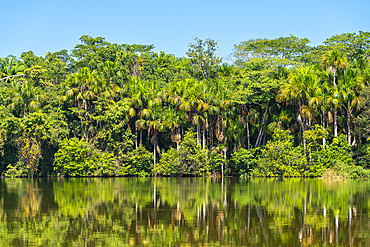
x=184, y=212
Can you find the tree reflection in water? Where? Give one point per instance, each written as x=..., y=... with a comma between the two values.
x=180, y=211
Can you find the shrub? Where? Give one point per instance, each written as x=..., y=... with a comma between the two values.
x=189, y=159
x=280, y=158
x=18, y=170
x=357, y=172
x=344, y=171
x=243, y=161
x=140, y=162
x=337, y=152
x=80, y=158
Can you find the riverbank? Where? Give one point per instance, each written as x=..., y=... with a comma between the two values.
x=278, y=158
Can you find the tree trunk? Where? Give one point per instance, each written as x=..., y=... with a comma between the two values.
x=148, y=136
x=135, y=135
x=248, y=137
x=242, y=143
x=155, y=152
x=335, y=122
x=222, y=166
x=178, y=141
x=182, y=133
x=211, y=137
x=323, y=126
x=335, y=112
x=204, y=136
x=304, y=146
x=263, y=121
x=11, y=76
x=141, y=137
x=24, y=111
x=198, y=134
x=349, y=125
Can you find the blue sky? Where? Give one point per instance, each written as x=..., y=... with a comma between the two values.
x=49, y=25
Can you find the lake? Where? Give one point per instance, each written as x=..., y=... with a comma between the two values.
x=184, y=212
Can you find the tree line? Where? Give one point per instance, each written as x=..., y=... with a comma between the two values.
x=278, y=108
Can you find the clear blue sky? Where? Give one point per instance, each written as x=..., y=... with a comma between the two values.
x=50, y=25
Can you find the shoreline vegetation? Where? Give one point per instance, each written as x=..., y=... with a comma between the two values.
x=278, y=108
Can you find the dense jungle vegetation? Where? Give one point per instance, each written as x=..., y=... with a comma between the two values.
x=280, y=108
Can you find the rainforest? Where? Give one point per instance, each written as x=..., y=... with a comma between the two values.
x=274, y=107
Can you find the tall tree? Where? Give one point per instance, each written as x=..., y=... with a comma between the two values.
x=334, y=61
x=322, y=101
x=353, y=45
x=292, y=48
x=25, y=98
x=11, y=67
x=349, y=91
x=301, y=87
x=203, y=56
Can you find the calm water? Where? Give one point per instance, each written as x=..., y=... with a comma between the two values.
x=184, y=212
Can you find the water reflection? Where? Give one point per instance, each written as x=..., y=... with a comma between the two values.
x=183, y=211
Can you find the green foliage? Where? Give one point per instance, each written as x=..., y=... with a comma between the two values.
x=16, y=171
x=352, y=45
x=337, y=152
x=344, y=171
x=291, y=47
x=115, y=103
x=2, y=141
x=244, y=161
x=215, y=162
x=280, y=158
x=357, y=172
x=25, y=98
x=29, y=153
x=80, y=158
x=170, y=164
x=314, y=137
x=10, y=67
x=203, y=57
x=74, y=158
x=30, y=59
x=189, y=159
x=314, y=151
x=361, y=155
x=106, y=165
x=140, y=162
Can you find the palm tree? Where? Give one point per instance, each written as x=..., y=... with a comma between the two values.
x=194, y=104
x=334, y=61
x=11, y=67
x=24, y=97
x=155, y=124
x=79, y=86
x=321, y=101
x=226, y=71
x=250, y=116
x=174, y=96
x=172, y=120
x=301, y=87
x=139, y=95
x=83, y=87
x=349, y=89
x=103, y=85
